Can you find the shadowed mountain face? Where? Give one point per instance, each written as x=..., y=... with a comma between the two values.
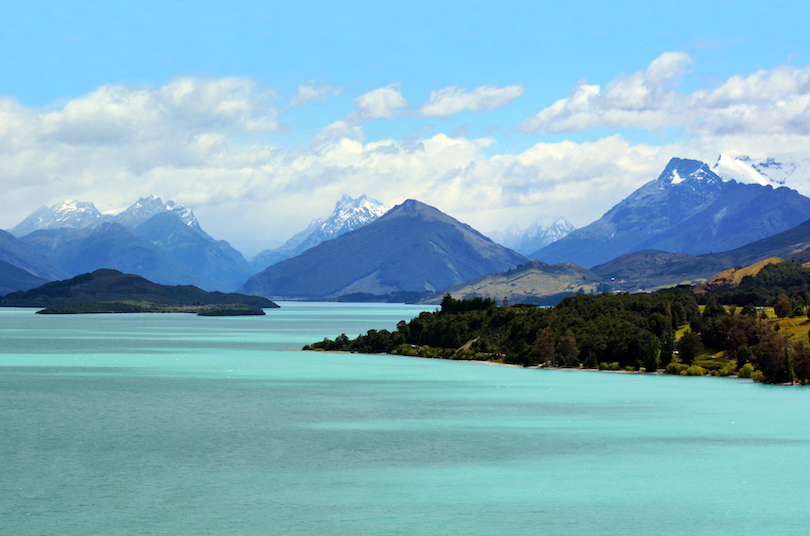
x=17, y=253
x=112, y=285
x=216, y=260
x=413, y=247
x=688, y=209
x=13, y=279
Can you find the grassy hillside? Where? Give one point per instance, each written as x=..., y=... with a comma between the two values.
x=533, y=282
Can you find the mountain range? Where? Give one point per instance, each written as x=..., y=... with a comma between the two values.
x=349, y=214
x=687, y=209
x=413, y=247
x=72, y=214
x=667, y=231
x=160, y=241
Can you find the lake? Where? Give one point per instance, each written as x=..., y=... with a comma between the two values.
x=183, y=425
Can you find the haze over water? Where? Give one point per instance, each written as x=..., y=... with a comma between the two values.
x=175, y=424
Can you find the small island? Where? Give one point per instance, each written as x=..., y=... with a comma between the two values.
x=110, y=291
x=131, y=306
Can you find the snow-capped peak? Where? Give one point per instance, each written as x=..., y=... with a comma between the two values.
x=146, y=207
x=741, y=170
x=350, y=214
x=69, y=213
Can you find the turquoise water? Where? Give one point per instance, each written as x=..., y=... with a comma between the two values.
x=175, y=424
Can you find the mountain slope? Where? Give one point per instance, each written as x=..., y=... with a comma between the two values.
x=413, y=247
x=349, y=214
x=653, y=269
x=112, y=285
x=688, y=209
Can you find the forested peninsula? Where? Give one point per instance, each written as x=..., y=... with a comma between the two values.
x=666, y=331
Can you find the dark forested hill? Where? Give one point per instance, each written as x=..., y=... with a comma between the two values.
x=111, y=285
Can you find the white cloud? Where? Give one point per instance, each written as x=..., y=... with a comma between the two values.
x=313, y=92
x=378, y=104
x=765, y=102
x=452, y=100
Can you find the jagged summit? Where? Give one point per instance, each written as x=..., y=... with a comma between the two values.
x=693, y=173
x=146, y=207
x=349, y=214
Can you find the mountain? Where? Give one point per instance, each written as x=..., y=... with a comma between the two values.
x=196, y=250
x=687, y=209
x=70, y=213
x=111, y=245
x=768, y=171
x=533, y=282
x=349, y=214
x=649, y=269
x=112, y=285
x=538, y=235
x=17, y=253
x=13, y=279
x=413, y=247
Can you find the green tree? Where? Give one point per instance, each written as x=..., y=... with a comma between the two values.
x=543, y=347
x=568, y=349
x=782, y=306
x=689, y=347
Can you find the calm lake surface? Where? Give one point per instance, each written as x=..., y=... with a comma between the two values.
x=181, y=425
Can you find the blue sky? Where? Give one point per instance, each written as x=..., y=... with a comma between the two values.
x=109, y=102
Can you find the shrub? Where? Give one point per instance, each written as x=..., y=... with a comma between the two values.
x=608, y=366
x=746, y=371
x=695, y=370
x=758, y=376
x=676, y=368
